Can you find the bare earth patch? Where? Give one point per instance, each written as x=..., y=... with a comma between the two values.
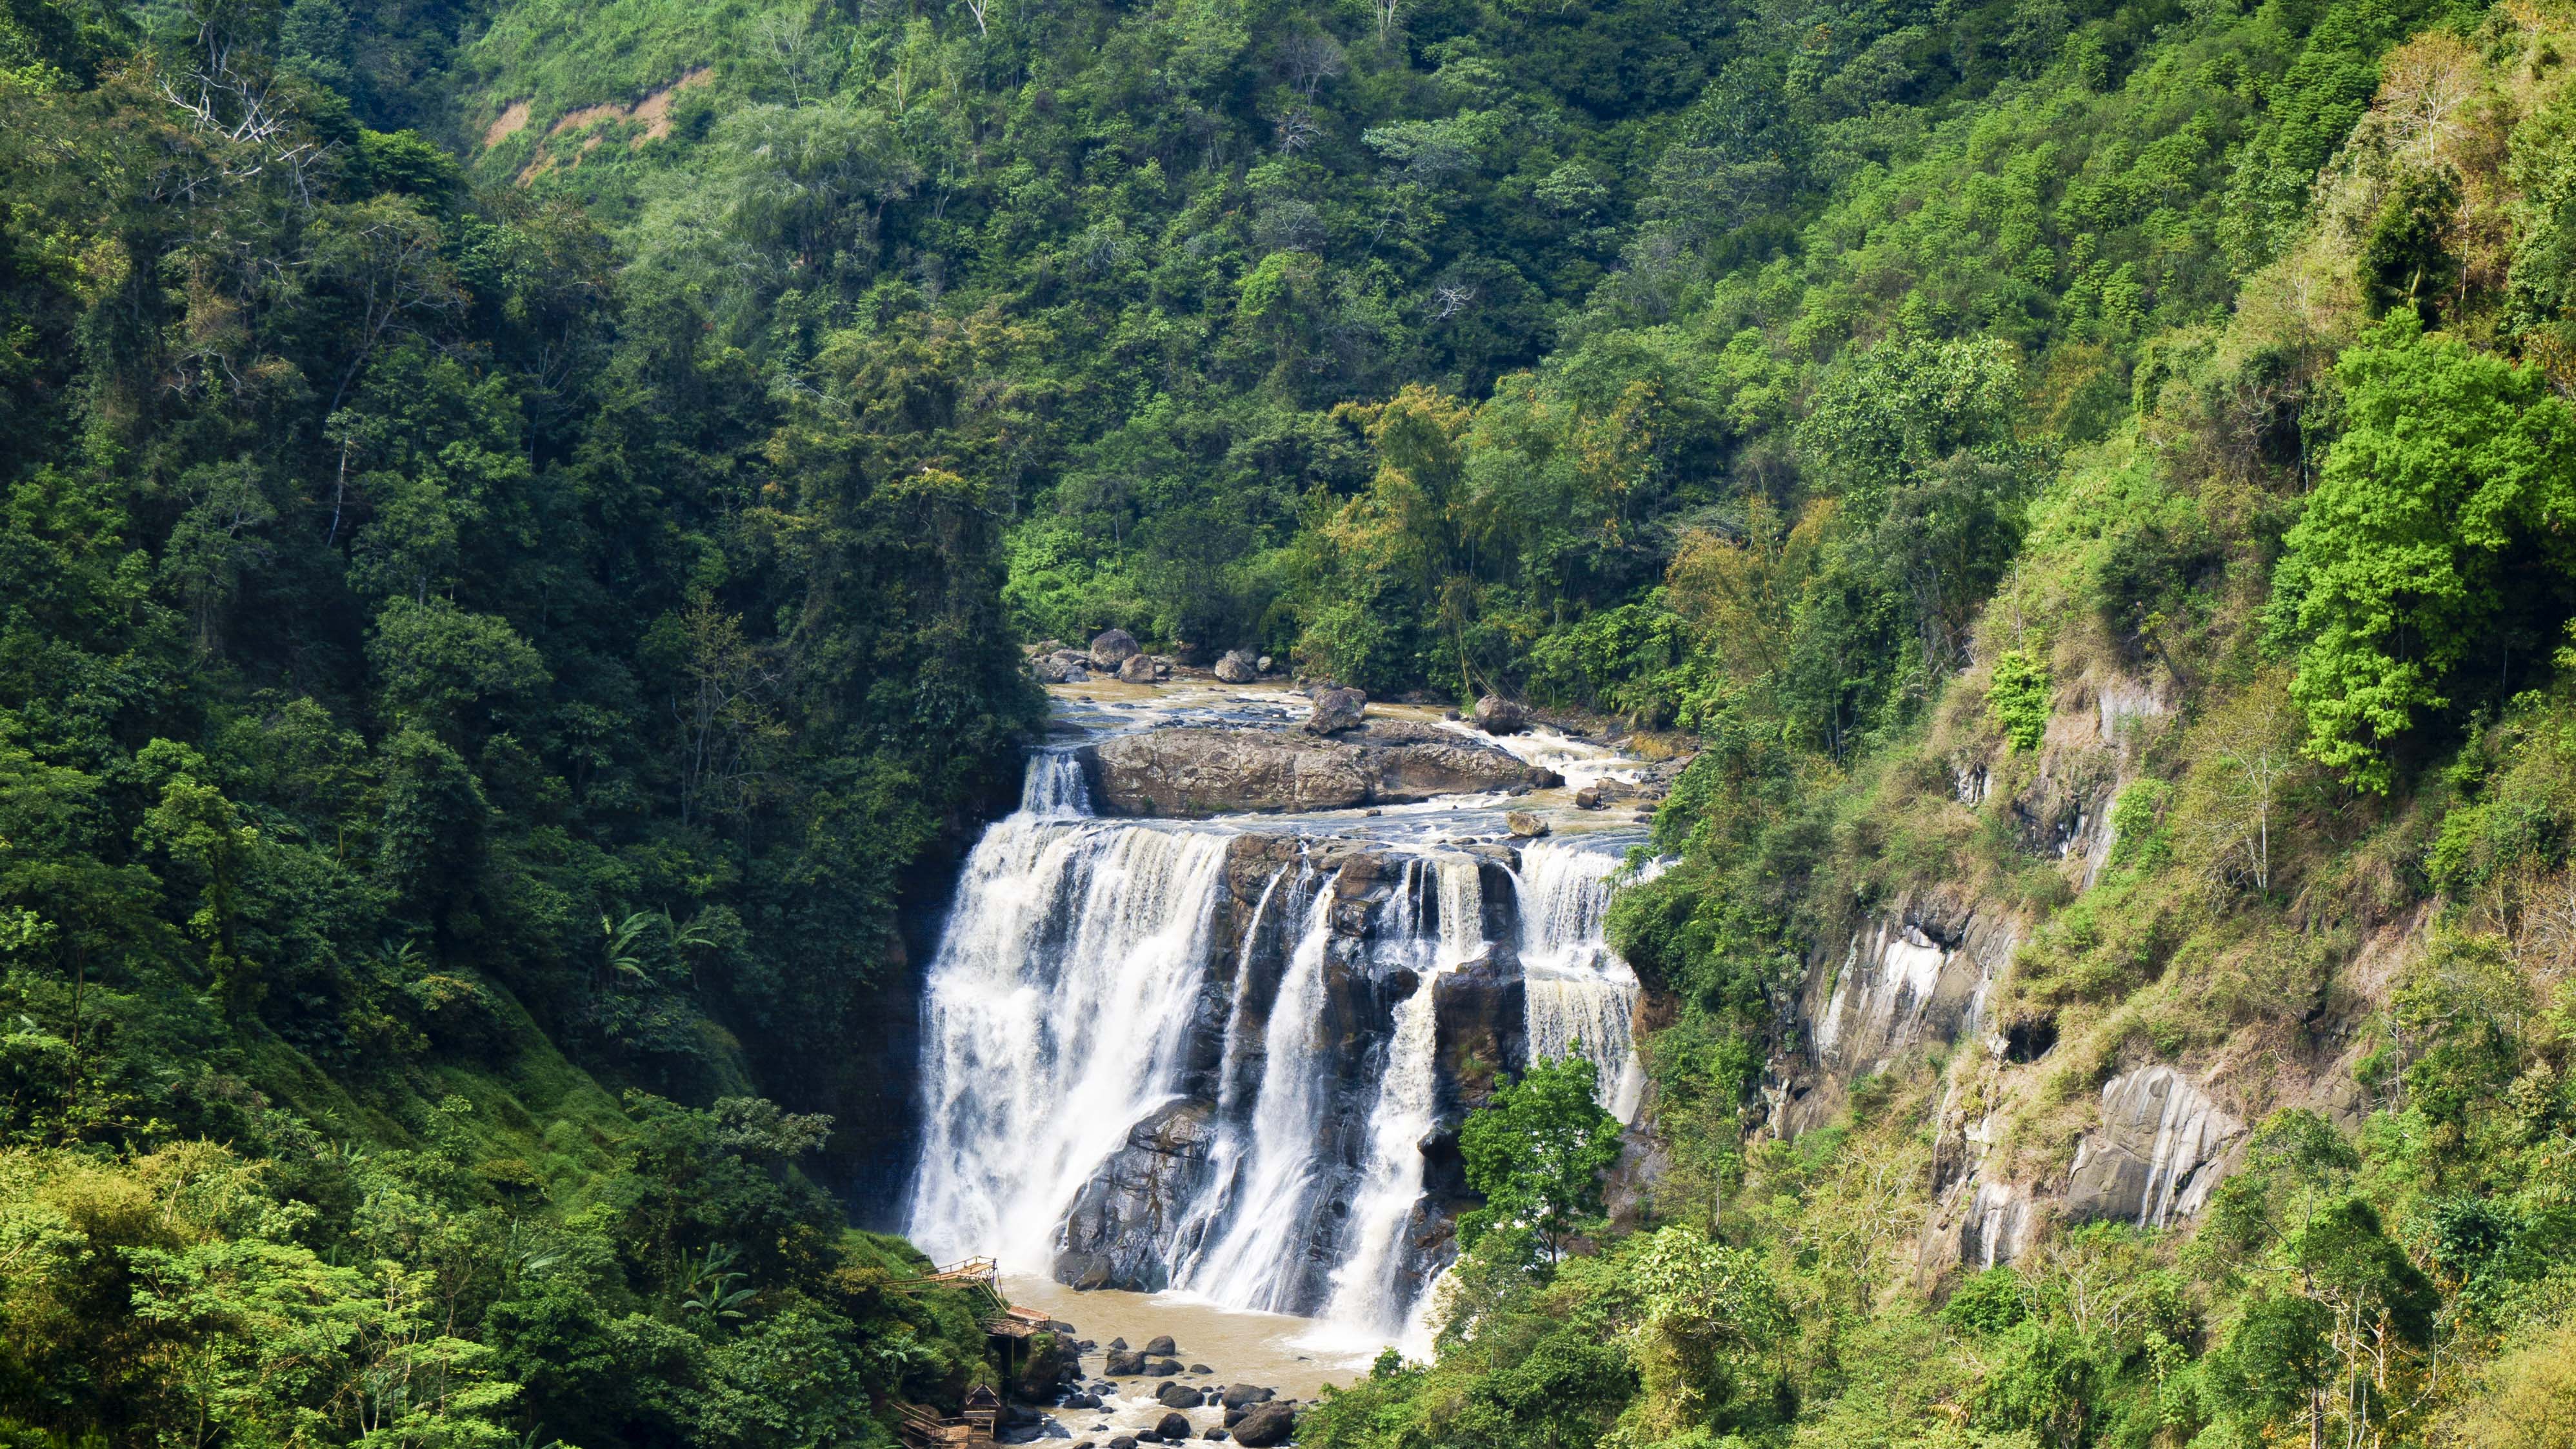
x=653, y=113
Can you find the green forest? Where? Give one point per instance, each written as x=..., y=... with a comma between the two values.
x=519, y=520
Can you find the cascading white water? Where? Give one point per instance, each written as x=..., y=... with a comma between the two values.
x=1264, y=1186
x=1369, y=1288
x=1580, y=996
x=1054, y=1014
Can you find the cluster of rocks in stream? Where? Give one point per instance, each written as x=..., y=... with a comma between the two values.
x=1251, y=1414
x=1114, y=653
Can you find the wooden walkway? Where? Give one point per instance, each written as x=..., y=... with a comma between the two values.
x=981, y=1276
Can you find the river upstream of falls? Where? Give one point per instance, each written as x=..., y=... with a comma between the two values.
x=1222, y=1061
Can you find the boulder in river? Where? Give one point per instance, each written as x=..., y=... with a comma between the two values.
x=1237, y=668
x=1123, y=1441
x=1125, y=1363
x=1524, y=824
x=1244, y=1396
x=1496, y=715
x=1214, y=1435
x=1161, y=1368
x=1062, y=666
x=1118, y=1343
x=1200, y=1368
x=1177, y=1396
x=1162, y=1344
x=1337, y=710
x=1112, y=647
x=1173, y=1426
x=1235, y=1416
x=1265, y=1426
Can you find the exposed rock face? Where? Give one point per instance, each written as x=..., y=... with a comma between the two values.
x=1914, y=977
x=2161, y=1148
x=1237, y=667
x=1265, y=1426
x=1196, y=772
x=1337, y=710
x=1123, y=1212
x=1997, y=1226
x=1496, y=715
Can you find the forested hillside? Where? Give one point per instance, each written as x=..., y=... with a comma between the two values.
x=521, y=516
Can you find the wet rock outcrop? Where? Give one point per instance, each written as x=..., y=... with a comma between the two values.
x=2162, y=1145
x=1192, y=773
x=1111, y=1237
x=1913, y=977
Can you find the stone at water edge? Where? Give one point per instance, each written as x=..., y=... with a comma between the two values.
x=1173, y=1426
x=1123, y=1441
x=1113, y=647
x=1161, y=1368
x=1217, y=1435
x=1177, y=1396
x=1124, y=1363
x=1200, y=1368
x=1162, y=1346
x=1244, y=1396
x=1496, y=715
x=1118, y=1343
x=1139, y=669
x=1265, y=1426
x=1237, y=668
x=1235, y=1416
x=1337, y=710
x=1524, y=824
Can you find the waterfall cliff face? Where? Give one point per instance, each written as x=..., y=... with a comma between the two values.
x=1232, y=1060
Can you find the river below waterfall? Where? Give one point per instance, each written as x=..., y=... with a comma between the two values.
x=1212, y=1068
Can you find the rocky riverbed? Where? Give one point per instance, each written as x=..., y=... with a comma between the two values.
x=1172, y=1370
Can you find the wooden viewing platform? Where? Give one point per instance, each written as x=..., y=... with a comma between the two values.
x=924, y=1428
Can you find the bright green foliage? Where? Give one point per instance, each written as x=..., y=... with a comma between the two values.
x=2455, y=477
x=1537, y=1152
x=2017, y=698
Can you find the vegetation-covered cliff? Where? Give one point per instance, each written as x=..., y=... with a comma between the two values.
x=520, y=517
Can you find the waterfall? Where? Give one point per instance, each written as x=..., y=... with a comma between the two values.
x=1055, y=1013
x=1132, y=1074
x=1369, y=1288
x=1580, y=996
x=1264, y=1187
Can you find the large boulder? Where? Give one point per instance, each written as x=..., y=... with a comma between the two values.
x=1062, y=666
x=1173, y=1427
x=1112, y=1237
x=1237, y=667
x=1113, y=647
x=1337, y=710
x=1197, y=771
x=1496, y=715
x=1177, y=1396
x=1265, y=1426
x=1162, y=1344
x=1523, y=824
x=1125, y=1363
x=1244, y=1396
x=1139, y=669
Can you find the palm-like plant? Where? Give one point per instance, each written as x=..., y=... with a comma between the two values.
x=617, y=944
x=707, y=1288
